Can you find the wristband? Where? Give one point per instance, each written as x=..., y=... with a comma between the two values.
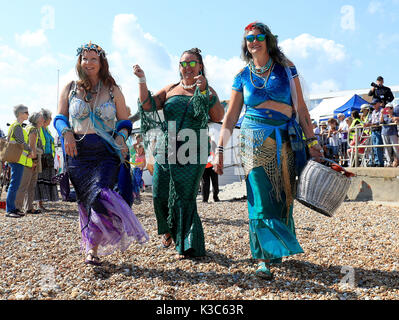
x=313, y=143
x=142, y=80
x=220, y=149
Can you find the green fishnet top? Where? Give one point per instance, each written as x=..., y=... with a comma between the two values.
x=195, y=119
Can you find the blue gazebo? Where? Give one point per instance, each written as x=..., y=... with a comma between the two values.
x=354, y=103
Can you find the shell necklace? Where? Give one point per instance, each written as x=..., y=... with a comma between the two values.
x=187, y=87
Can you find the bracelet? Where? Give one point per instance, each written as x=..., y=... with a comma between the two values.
x=123, y=135
x=312, y=144
x=65, y=130
x=142, y=80
x=308, y=140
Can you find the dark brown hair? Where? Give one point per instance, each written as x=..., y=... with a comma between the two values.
x=197, y=53
x=271, y=42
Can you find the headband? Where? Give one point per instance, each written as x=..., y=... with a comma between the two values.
x=91, y=47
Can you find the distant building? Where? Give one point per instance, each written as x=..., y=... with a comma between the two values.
x=316, y=99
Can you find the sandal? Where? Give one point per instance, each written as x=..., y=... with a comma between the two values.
x=166, y=241
x=92, y=259
x=263, y=271
x=31, y=211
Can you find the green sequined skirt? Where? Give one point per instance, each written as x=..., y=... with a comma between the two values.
x=175, y=191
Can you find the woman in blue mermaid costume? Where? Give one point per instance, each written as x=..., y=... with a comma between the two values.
x=272, y=145
x=187, y=106
x=93, y=123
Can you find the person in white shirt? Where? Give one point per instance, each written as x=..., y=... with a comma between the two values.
x=333, y=139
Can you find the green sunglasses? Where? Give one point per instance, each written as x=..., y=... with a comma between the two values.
x=259, y=37
x=192, y=64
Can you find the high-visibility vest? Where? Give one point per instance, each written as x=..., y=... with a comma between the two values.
x=354, y=123
x=23, y=159
x=43, y=138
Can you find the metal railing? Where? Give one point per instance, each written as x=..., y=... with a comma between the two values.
x=359, y=136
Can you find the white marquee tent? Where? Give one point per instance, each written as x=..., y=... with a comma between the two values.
x=325, y=109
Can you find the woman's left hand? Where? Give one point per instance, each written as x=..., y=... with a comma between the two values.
x=201, y=82
x=124, y=149
x=316, y=152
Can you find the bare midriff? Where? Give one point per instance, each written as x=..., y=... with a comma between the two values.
x=276, y=106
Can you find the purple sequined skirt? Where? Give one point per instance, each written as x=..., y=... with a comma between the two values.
x=106, y=221
x=113, y=231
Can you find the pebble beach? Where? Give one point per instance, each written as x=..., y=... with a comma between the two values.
x=353, y=255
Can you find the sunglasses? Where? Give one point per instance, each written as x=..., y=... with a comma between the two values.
x=192, y=64
x=259, y=37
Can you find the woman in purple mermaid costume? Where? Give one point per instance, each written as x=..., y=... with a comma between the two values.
x=93, y=123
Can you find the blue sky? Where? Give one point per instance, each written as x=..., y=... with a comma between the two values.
x=336, y=45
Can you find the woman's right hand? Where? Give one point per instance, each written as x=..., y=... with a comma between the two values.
x=139, y=73
x=70, y=144
x=218, y=163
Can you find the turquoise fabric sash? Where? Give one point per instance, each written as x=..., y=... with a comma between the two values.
x=267, y=122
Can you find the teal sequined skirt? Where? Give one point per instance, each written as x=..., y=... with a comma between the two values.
x=271, y=224
x=271, y=230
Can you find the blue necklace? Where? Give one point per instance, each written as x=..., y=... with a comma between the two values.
x=260, y=70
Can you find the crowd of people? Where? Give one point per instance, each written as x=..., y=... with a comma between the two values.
x=31, y=176
x=277, y=139
x=376, y=124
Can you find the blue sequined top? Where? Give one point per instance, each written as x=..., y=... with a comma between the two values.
x=256, y=91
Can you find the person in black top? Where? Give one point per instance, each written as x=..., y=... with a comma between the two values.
x=379, y=91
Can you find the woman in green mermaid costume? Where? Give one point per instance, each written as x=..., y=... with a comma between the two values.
x=181, y=150
x=272, y=145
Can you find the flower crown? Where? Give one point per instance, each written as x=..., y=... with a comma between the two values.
x=91, y=47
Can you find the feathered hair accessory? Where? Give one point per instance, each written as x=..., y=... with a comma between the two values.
x=256, y=24
x=91, y=47
x=252, y=26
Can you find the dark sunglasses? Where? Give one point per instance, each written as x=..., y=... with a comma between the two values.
x=259, y=37
x=192, y=64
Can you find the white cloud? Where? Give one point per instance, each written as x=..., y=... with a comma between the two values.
x=324, y=86
x=135, y=46
x=31, y=39
x=387, y=42
x=220, y=73
x=375, y=7
x=45, y=61
x=317, y=57
x=348, y=18
x=306, y=45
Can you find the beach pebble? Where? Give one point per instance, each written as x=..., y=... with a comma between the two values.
x=351, y=256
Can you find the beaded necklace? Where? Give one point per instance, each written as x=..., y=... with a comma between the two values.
x=265, y=80
x=261, y=70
